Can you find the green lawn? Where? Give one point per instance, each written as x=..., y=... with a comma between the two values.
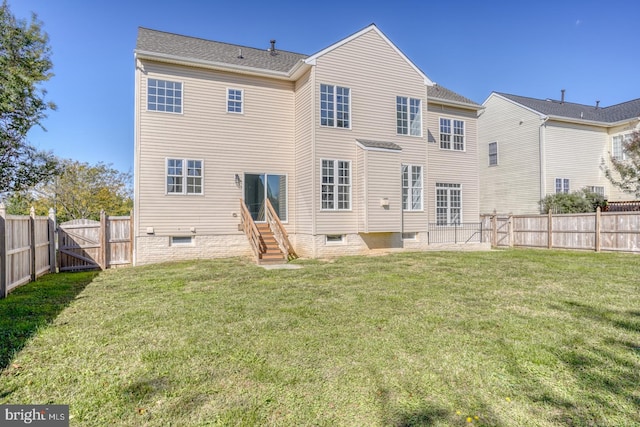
x=514, y=338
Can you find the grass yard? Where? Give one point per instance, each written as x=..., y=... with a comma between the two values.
x=503, y=338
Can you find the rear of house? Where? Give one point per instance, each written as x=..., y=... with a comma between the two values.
x=338, y=143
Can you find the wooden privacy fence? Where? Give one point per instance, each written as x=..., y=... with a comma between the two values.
x=598, y=231
x=27, y=249
x=31, y=246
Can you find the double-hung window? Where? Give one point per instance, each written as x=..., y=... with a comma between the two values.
x=234, y=101
x=335, y=106
x=448, y=204
x=184, y=176
x=163, y=95
x=493, y=154
x=562, y=185
x=451, y=134
x=411, y=188
x=617, y=146
x=408, y=116
x=336, y=185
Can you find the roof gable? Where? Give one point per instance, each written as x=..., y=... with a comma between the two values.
x=313, y=58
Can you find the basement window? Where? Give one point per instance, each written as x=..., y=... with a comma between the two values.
x=410, y=236
x=181, y=240
x=333, y=239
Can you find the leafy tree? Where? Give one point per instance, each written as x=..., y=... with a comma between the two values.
x=24, y=64
x=80, y=190
x=576, y=202
x=625, y=173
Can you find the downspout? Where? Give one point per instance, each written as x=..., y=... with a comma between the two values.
x=136, y=160
x=314, y=161
x=543, y=162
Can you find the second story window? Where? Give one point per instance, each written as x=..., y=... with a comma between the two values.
x=617, y=146
x=408, y=116
x=163, y=95
x=335, y=106
x=451, y=134
x=493, y=154
x=234, y=101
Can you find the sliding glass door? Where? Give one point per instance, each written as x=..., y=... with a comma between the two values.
x=259, y=187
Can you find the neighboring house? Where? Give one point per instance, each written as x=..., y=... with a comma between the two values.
x=529, y=148
x=354, y=147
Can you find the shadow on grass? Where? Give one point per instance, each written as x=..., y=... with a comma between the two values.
x=35, y=305
x=603, y=370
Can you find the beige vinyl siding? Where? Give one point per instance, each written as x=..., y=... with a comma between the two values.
x=613, y=192
x=576, y=152
x=514, y=184
x=259, y=140
x=451, y=166
x=304, y=155
x=375, y=74
x=360, y=190
x=382, y=177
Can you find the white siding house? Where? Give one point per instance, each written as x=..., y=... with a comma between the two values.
x=345, y=144
x=529, y=148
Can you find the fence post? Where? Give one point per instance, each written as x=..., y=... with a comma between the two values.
x=550, y=230
x=598, y=229
x=510, y=222
x=3, y=252
x=32, y=243
x=103, y=240
x=494, y=229
x=53, y=238
x=131, y=239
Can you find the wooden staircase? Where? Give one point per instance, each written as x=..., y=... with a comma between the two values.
x=269, y=240
x=272, y=254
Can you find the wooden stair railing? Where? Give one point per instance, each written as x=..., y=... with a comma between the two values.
x=279, y=232
x=250, y=229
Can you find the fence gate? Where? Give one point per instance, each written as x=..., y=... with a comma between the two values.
x=79, y=245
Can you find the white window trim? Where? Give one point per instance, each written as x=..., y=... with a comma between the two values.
x=464, y=135
x=624, y=137
x=165, y=112
x=409, y=202
x=335, y=106
x=562, y=187
x=241, y=101
x=335, y=193
x=342, y=241
x=182, y=244
x=410, y=236
x=449, y=223
x=409, y=99
x=497, y=154
x=184, y=176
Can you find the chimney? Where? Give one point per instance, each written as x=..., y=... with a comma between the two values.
x=597, y=104
x=562, y=96
x=272, y=49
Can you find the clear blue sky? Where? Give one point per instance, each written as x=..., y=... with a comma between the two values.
x=589, y=48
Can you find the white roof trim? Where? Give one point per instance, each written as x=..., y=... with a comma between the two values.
x=162, y=57
x=386, y=150
x=435, y=100
x=313, y=58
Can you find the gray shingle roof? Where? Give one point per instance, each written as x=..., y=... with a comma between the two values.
x=440, y=92
x=193, y=48
x=612, y=114
x=379, y=144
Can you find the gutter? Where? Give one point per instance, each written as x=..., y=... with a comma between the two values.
x=290, y=75
x=543, y=162
x=460, y=104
